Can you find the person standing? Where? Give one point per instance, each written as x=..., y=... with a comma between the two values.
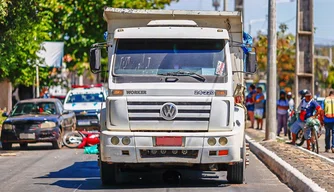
x=290, y=111
x=282, y=111
x=329, y=121
x=250, y=104
x=259, y=107
x=290, y=100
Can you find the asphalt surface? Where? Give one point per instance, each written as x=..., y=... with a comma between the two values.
x=40, y=168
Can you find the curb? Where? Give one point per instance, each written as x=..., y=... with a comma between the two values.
x=288, y=174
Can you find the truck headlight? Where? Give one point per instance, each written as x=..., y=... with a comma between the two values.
x=212, y=141
x=8, y=126
x=47, y=124
x=114, y=140
x=126, y=140
x=223, y=140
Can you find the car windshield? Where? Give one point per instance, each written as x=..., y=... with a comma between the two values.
x=46, y=108
x=85, y=98
x=170, y=56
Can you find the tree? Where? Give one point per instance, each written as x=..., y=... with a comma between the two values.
x=323, y=72
x=81, y=24
x=285, y=56
x=24, y=25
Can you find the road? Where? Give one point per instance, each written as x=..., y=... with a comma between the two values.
x=42, y=169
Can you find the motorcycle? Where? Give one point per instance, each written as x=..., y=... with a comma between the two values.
x=81, y=139
x=313, y=123
x=293, y=117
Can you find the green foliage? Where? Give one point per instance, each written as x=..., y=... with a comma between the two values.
x=3, y=10
x=321, y=66
x=285, y=56
x=2, y=119
x=81, y=24
x=25, y=24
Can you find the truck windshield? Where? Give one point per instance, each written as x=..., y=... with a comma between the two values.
x=205, y=57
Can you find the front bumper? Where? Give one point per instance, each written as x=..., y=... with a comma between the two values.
x=195, y=144
x=41, y=135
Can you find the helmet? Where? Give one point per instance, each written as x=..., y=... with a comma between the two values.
x=282, y=93
x=289, y=93
x=303, y=92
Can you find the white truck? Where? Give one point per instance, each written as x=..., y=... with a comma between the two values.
x=172, y=84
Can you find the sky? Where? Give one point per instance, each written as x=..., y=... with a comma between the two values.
x=257, y=11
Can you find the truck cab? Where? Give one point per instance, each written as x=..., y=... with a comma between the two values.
x=171, y=92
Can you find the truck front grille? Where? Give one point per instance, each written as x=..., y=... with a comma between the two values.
x=192, y=154
x=87, y=117
x=187, y=111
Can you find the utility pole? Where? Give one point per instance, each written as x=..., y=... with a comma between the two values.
x=225, y=5
x=271, y=122
x=239, y=6
x=37, y=81
x=304, y=78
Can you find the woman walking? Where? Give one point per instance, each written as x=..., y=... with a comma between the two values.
x=282, y=110
x=250, y=104
x=259, y=107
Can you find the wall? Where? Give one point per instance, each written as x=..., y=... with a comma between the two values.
x=5, y=95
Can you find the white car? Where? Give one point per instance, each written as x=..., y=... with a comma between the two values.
x=86, y=102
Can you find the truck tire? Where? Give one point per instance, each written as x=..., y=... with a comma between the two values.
x=235, y=173
x=108, y=173
x=6, y=146
x=23, y=145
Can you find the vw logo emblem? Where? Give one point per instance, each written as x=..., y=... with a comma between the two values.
x=168, y=111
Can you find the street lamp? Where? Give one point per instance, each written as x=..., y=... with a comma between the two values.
x=216, y=4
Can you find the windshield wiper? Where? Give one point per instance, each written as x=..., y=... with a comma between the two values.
x=185, y=73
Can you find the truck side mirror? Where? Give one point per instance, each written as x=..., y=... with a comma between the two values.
x=95, y=59
x=251, y=62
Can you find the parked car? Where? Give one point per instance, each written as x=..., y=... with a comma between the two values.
x=36, y=120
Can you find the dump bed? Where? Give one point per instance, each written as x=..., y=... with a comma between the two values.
x=232, y=21
x=122, y=18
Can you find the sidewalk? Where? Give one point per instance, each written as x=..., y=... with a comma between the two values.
x=319, y=170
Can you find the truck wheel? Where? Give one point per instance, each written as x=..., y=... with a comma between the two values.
x=6, y=146
x=108, y=173
x=235, y=173
x=23, y=145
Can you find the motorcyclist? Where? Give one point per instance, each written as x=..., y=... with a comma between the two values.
x=306, y=107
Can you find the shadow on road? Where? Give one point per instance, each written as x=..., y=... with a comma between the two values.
x=85, y=169
x=31, y=147
x=86, y=176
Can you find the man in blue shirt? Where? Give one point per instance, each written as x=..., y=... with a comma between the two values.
x=307, y=108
